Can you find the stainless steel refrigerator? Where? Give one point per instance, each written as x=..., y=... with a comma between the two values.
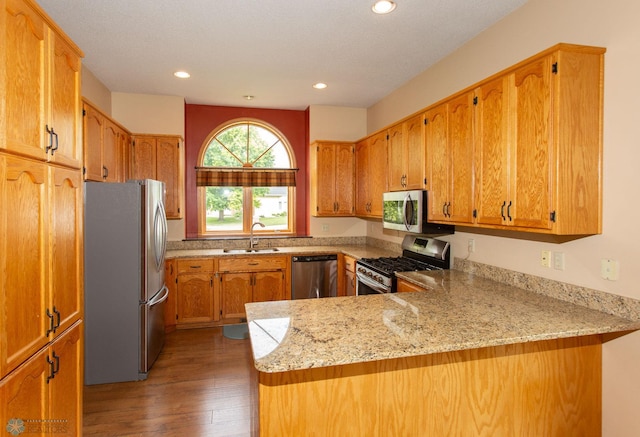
x=125, y=234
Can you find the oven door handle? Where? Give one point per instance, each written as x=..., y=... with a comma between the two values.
x=371, y=284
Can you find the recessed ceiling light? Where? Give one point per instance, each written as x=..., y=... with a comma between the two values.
x=182, y=74
x=383, y=7
x=320, y=86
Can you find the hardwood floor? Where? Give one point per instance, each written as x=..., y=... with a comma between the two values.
x=199, y=386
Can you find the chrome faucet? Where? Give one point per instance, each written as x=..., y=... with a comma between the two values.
x=253, y=241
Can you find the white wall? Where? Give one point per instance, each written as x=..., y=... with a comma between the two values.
x=338, y=124
x=95, y=91
x=143, y=113
x=536, y=26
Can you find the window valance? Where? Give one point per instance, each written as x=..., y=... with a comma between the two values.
x=245, y=177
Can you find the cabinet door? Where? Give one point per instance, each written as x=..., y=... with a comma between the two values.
x=66, y=386
x=492, y=172
x=344, y=164
x=110, y=153
x=235, y=291
x=65, y=104
x=377, y=173
x=396, y=158
x=144, y=158
x=168, y=170
x=23, y=395
x=195, y=298
x=350, y=283
x=460, y=150
x=171, y=312
x=413, y=143
x=25, y=42
x=268, y=286
x=23, y=260
x=66, y=247
x=325, y=179
x=436, y=134
x=93, y=123
x=532, y=143
x=363, y=178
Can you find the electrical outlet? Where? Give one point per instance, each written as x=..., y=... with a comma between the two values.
x=558, y=260
x=610, y=269
x=471, y=245
x=545, y=258
x=325, y=228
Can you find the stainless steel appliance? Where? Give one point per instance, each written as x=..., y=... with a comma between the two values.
x=407, y=211
x=125, y=243
x=314, y=276
x=377, y=275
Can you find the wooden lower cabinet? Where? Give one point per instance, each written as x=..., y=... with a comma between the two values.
x=44, y=395
x=545, y=388
x=196, y=292
x=213, y=291
x=404, y=286
x=236, y=289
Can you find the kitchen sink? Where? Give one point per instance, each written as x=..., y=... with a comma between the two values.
x=254, y=250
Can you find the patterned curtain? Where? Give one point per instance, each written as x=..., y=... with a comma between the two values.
x=245, y=177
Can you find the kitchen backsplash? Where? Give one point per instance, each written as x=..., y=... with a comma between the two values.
x=620, y=306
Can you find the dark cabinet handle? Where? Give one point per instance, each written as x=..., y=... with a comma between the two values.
x=502, y=210
x=52, y=327
x=444, y=209
x=105, y=172
x=52, y=373
x=57, y=314
x=509, y=211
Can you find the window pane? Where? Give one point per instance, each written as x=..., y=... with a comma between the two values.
x=224, y=209
x=271, y=206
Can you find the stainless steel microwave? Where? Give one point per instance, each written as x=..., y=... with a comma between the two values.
x=407, y=211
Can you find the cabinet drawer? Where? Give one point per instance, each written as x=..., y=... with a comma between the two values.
x=350, y=263
x=251, y=264
x=195, y=265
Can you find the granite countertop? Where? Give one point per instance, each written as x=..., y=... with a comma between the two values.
x=356, y=251
x=460, y=311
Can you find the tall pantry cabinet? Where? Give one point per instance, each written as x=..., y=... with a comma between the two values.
x=41, y=290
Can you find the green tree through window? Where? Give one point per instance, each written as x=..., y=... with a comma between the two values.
x=232, y=210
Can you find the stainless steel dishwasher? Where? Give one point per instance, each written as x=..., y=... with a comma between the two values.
x=314, y=276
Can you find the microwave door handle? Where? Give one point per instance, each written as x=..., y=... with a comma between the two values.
x=408, y=211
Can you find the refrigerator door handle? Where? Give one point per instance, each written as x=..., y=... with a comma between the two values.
x=160, y=297
x=160, y=234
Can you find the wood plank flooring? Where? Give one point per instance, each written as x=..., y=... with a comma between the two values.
x=199, y=386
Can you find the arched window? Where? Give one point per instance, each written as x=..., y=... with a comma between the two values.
x=246, y=174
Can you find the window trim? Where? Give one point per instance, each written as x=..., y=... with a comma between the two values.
x=247, y=203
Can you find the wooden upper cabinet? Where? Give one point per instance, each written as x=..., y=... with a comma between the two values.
x=159, y=157
x=42, y=117
x=539, y=144
x=493, y=150
x=449, y=143
x=332, y=178
x=406, y=154
x=105, y=155
x=371, y=175
x=111, y=157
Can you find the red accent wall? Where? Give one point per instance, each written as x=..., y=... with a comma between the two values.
x=201, y=120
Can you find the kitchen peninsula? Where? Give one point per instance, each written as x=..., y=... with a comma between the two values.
x=469, y=356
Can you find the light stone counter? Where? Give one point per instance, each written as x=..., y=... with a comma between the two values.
x=356, y=251
x=461, y=311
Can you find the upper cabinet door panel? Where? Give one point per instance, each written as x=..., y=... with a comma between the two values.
x=25, y=81
x=65, y=104
x=144, y=158
x=532, y=145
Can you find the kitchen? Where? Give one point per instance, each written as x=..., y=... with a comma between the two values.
x=539, y=25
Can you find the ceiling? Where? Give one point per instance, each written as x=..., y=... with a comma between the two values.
x=274, y=50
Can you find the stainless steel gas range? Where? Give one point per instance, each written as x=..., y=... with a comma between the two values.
x=377, y=275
